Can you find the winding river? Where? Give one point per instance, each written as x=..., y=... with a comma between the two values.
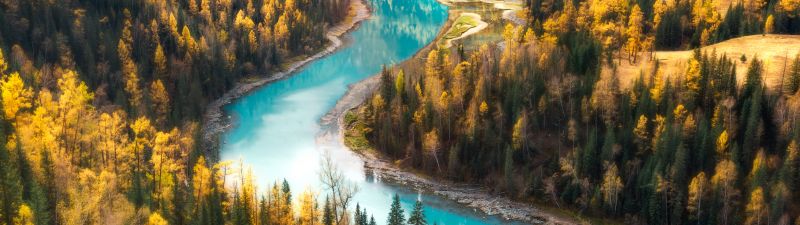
x=277, y=125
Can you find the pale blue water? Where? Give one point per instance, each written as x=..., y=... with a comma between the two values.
x=277, y=125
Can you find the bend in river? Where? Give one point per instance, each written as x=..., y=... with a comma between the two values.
x=277, y=125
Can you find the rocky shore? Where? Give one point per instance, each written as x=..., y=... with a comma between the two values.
x=215, y=120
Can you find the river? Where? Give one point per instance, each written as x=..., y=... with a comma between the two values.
x=276, y=126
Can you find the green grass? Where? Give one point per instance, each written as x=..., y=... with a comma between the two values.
x=354, y=133
x=461, y=25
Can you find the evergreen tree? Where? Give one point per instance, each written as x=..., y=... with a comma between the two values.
x=417, y=216
x=327, y=214
x=10, y=186
x=396, y=213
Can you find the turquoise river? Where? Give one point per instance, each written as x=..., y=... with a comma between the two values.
x=276, y=126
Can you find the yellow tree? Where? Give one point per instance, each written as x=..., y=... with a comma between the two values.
x=458, y=85
x=612, y=186
x=15, y=95
x=519, y=136
x=697, y=193
x=128, y=66
x=201, y=180
x=24, y=216
x=112, y=140
x=3, y=64
x=142, y=138
x=432, y=146
x=164, y=166
x=692, y=78
x=756, y=208
x=309, y=209
x=188, y=40
x=160, y=100
x=769, y=25
x=722, y=143
x=724, y=181
x=160, y=62
x=156, y=219
x=660, y=7
x=635, y=23
x=657, y=89
x=73, y=106
x=642, y=135
x=788, y=6
x=282, y=29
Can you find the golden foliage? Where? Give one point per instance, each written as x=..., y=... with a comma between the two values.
x=160, y=101
x=756, y=208
x=15, y=95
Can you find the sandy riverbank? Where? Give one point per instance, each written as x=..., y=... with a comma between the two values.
x=215, y=120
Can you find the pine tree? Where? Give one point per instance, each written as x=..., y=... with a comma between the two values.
x=10, y=186
x=417, y=217
x=327, y=213
x=396, y=212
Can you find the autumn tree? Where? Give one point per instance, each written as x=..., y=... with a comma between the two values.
x=697, y=194
x=756, y=208
x=160, y=100
x=15, y=95
x=724, y=183
x=309, y=211
x=635, y=24
x=769, y=25
x=612, y=187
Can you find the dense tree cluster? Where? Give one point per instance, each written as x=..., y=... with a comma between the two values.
x=174, y=55
x=101, y=99
x=537, y=117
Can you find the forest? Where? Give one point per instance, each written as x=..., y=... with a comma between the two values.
x=102, y=104
x=544, y=117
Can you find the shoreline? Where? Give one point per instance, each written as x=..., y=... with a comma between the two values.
x=216, y=122
x=469, y=195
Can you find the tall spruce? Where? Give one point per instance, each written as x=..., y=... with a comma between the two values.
x=417, y=216
x=396, y=213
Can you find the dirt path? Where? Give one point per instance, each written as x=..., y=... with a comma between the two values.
x=215, y=120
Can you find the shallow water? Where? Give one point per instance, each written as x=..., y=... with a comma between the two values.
x=277, y=125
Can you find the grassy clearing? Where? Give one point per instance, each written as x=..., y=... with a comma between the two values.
x=354, y=133
x=773, y=50
x=460, y=26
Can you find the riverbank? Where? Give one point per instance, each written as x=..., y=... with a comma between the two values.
x=217, y=123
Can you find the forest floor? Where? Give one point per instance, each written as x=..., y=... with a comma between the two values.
x=216, y=122
x=340, y=122
x=776, y=52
